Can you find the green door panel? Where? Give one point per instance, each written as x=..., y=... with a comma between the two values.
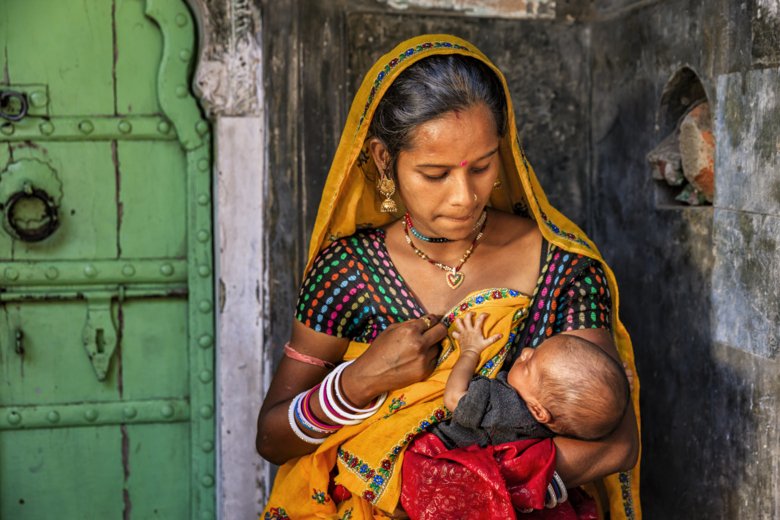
x=137, y=63
x=169, y=497
x=106, y=284
x=154, y=216
x=48, y=363
x=74, y=459
x=88, y=216
x=71, y=53
x=151, y=345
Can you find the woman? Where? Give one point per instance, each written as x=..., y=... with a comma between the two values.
x=430, y=170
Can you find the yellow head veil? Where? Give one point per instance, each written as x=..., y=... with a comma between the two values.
x=350, y=201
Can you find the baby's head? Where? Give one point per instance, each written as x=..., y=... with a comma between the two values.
x=572, y=386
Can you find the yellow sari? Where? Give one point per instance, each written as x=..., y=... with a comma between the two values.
x=368, y=456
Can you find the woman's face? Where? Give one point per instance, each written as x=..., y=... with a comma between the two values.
x=446, y=175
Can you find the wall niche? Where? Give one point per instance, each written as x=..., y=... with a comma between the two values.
x=683, y=163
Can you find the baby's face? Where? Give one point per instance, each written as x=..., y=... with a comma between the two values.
x=524, y=376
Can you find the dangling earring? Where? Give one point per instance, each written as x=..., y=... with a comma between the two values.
x=497, y=184
x=386, y=188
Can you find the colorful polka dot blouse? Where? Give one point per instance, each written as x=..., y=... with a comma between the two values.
x=354, y=291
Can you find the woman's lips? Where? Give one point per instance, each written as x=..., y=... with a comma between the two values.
x=461, y=219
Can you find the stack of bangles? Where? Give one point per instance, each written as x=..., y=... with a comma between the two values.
x=333, y=404
x=556, y=492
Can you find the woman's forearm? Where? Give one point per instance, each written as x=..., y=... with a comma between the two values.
x=275, y=440
x=579, y=462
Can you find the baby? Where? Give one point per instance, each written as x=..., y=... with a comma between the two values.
x=566, y=386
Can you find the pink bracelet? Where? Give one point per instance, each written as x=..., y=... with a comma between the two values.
x=303, y=358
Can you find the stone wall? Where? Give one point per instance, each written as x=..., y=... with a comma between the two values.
x=699, y=286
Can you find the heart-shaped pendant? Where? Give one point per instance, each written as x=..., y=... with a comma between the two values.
x=455, y=279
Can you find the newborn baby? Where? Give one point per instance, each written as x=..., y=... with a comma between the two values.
x=566, y=386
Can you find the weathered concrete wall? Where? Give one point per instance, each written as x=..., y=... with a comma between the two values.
x=699, y=286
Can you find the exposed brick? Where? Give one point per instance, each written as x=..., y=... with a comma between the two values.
x=697, y=149
x=666, y=162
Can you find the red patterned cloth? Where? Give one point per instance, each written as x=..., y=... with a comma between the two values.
x=484, y=483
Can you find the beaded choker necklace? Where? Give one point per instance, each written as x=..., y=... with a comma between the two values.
x=437, y=240
x=454, y=277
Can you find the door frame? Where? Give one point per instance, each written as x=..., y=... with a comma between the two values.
x=228, y=83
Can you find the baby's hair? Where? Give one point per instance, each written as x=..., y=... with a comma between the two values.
x=584, y=389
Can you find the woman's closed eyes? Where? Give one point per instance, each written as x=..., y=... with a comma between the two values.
x=441, y=176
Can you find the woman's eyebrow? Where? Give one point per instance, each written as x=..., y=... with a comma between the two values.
x=427, y=165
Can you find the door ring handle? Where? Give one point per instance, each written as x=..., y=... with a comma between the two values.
x=49, y=223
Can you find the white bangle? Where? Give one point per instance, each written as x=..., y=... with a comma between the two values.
x=564, y=492
x=325, y=396
x=364, y=413
x=294, y=426
x=333, y=405
x=552, y=499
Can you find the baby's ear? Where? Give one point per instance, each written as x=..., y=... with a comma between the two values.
x=539, y=412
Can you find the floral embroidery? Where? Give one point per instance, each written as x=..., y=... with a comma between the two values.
x=276, y=513
x=376, y=479
x=625, y=491
x=320, y=497
x=396, y=404
x=347, y=514
x=423, y=47
x=477, y=299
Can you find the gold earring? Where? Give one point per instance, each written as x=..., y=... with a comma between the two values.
x=386, y=188
x=497, y=184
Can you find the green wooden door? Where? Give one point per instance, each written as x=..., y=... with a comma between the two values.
x=106, y=320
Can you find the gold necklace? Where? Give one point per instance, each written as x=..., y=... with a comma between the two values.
x=454, y=277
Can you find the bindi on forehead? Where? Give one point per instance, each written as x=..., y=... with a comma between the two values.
x=463, y=163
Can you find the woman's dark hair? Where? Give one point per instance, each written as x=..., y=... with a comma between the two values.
x=430, y=88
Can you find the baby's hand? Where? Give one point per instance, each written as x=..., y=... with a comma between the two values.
x=469, y=335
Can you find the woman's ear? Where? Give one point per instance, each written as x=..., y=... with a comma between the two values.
x=379, y=154
x=540, y=413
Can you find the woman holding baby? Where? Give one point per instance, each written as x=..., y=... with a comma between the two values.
x=431, y=215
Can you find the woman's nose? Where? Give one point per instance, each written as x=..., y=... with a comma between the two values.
x=462, y=192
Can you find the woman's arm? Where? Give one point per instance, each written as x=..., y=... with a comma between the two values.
x=404, y=353
x=275, y=440
x=579, y=462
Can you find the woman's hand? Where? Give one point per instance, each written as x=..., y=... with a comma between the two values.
x=402, y=354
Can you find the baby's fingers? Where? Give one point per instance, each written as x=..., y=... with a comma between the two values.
x=492, y=339
x=480, y=320
x=468, y=320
